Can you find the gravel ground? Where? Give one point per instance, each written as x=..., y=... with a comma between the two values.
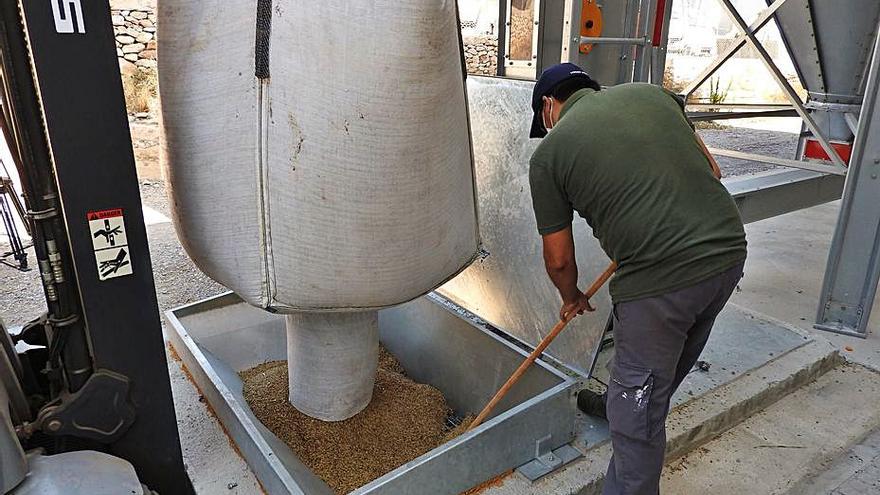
x=771, y=143
x=22, y=298
x=212, y=465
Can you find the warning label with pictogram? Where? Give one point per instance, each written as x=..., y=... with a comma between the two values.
x=110, y=244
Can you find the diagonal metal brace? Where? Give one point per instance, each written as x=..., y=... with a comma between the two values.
x=740, y=41
x=784, y=85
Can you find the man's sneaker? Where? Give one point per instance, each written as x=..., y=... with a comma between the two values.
x=592, y=403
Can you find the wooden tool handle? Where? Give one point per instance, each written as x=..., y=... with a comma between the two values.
x=591, y=291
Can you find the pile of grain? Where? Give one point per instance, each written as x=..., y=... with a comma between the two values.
x=405, y=420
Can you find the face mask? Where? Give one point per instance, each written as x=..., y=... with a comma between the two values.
x=544, y=119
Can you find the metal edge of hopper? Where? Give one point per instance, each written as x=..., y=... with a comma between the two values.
x=242, y=433
x=549, y=405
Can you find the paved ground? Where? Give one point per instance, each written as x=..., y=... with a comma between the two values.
x=856, y=471
x=791, y=441
x=783, y=278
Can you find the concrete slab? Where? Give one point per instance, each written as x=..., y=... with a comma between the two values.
x=789, y=441
x=856, y=471
x=153, y=217
x=212, y=461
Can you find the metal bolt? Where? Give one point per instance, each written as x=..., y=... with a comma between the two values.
x=54, y=425
x=876, y=161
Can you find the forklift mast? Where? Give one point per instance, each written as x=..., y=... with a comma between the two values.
x=64, y=111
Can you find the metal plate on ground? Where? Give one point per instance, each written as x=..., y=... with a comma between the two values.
x=741, y=341
x=548, y=463
x=435, y=341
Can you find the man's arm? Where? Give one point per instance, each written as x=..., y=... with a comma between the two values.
x=559, y=260
x=716, y=170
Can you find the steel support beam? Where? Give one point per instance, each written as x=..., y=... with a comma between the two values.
x=712, y=116
x=852, y=121
x=599, y=40
x=784, y=85
x=816, y=166
x=778, y=192
x=854, y=262
x=660, y=39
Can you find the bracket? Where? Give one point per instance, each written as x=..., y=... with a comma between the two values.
x=101, y=410
x=546, y=460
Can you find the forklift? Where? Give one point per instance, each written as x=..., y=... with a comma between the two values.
x=85, y=396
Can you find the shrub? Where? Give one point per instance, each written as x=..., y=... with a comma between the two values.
x=141, y=90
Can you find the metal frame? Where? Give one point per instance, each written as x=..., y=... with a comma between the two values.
x=715, y=115
x=740, y=41
x=777, y=192
x=572, y=16
x=436, y=341
x=853, y=270
x=77, y=78
x=525, y=67
x=783, y=162
x=503, y=29
x=18, y=249
x=642, y=53
x=838, y=164
x=636, y=40
x=747, y=36
x=660, y=40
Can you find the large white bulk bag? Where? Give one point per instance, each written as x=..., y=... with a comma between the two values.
x=318, y=151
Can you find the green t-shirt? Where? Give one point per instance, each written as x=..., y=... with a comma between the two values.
x=626, y=159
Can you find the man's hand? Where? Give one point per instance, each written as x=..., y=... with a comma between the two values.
x=577, y=305
x=561, y=266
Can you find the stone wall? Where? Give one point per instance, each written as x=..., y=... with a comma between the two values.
x=136, y=41
x=481, y=55
x=135, y=37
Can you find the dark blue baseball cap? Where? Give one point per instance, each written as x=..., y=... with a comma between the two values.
x=550, y=78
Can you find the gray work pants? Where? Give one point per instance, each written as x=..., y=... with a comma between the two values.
x=657, y=340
